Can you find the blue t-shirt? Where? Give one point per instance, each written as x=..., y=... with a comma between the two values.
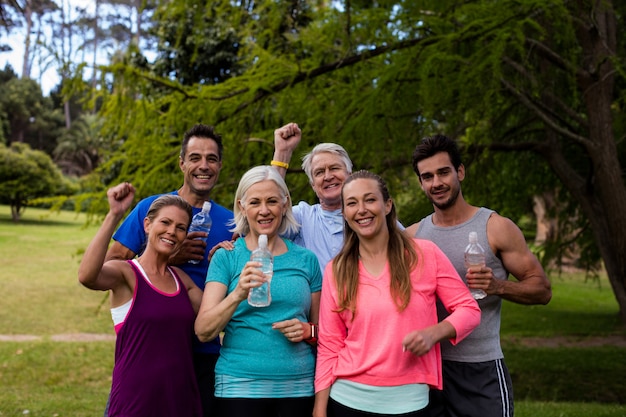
x=132, y=235
x=251, y=348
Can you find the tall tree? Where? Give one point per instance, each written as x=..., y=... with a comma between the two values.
x=32, y=13
x=194, y=47
x=530, y=87
x=30, y=116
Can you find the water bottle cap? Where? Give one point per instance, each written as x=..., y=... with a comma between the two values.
x=473, y=237
x=262, y=241
x=206, y=206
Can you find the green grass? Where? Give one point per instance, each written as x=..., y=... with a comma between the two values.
x=42, y=297
x=567, y=381
x=568, y=374
x=55, y=378
x=579, y=307
x=40, y=257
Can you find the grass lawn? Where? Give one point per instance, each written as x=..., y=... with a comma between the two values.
x=40, y=257
x=42, y=297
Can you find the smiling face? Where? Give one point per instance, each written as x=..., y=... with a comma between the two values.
x=201, y=166
x=328, y=172
x=167, y=230
x=440, y=181
x=364, y=207
x=264, y=206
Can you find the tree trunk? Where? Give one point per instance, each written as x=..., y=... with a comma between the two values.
x=96, y=21
x=68, y=115
x=28, y=16
x=15, y=213
x=607, y=199
x=602, y=195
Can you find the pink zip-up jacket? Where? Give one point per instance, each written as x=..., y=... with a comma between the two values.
x=369, y=350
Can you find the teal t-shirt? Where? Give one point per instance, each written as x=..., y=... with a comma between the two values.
x=251, y=348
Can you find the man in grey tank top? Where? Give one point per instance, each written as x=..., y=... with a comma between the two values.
x=476, y=382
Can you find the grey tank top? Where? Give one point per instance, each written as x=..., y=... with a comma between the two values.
x=483, y=344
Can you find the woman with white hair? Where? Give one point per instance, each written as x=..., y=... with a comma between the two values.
x=266, y=366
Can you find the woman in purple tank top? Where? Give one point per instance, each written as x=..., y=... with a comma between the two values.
x=154, y=308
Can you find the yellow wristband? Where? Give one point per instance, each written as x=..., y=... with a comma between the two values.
x=280, y=164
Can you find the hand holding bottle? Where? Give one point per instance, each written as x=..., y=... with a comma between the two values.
x=198, y=233
x=261, y=296
x=475, y=259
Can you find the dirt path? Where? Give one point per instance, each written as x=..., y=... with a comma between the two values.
x=568, y=341
x=68, y=337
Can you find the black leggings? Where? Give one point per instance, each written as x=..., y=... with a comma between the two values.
x=265, y=407
x=338, y=410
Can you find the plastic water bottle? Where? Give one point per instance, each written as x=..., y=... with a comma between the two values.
x=261, y=296
x=475, y=256
x=201, y=222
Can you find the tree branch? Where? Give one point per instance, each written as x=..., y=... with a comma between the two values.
x=325, y=69
x=366, y=55
x=528, y=103
x=163, y=82
x=532, y=79
x=543, y=50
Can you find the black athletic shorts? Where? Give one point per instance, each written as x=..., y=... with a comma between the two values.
x=480, y=389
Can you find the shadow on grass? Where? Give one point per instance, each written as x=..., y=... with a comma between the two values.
x=568, y=374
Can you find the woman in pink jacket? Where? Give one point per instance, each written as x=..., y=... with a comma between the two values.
x=378, y=348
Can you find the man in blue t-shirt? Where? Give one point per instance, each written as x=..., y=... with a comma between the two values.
x=200, y=161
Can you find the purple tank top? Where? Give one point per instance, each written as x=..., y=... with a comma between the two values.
x=153, y=373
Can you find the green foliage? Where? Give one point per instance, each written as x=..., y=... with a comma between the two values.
x=26, y=174
x=81, y=148
x=511, y=80
x=194, y=47
x=28, y=116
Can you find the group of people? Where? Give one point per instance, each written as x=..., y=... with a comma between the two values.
x=390, y=327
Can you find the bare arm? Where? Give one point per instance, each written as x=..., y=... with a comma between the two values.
x=314, y=314
x=507, y=241
x=93, y=273
x=286, y=139
x=218, y=307
x=321, y=403
x=216, y=310
x=194, y=292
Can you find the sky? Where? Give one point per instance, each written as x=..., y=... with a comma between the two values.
x=50, y=78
